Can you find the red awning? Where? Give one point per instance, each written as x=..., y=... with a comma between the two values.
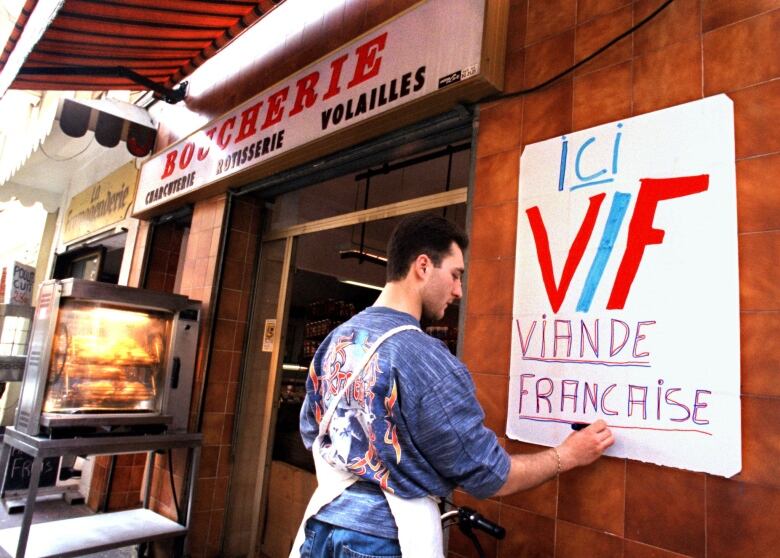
x=107, y=44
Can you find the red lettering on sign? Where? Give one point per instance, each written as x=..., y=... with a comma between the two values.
x=248, y=125
x=275, y=107
x=335, y=77
x=222, y=140
x=305, y=96
x=170, y=163
x=368, y=62
x=203, y=153
x=641, y=232
x=556, y=294
x=186, y=154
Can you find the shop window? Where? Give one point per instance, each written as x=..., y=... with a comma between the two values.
x=97, y=260
x=433, y=172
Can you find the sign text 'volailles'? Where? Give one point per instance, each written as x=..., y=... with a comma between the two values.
x=397, y=63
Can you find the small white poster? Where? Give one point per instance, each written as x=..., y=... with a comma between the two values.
x=626, y=296
x=269, y=332
x=19, y=283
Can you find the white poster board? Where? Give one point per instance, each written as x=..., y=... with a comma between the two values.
x=19, y=284
x=626, y=297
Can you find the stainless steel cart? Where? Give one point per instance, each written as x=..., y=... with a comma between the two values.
x=102, y=531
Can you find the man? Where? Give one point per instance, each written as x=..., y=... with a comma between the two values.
x=406, y=425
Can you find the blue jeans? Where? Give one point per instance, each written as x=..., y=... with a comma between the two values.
x=328, y=541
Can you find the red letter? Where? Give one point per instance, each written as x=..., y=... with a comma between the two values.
x=248, y=122
x=275, y=108
x=186, y=154
x=170, y=163
x=556, y=294
x=367, y=65
x=335, y=76
x=306, y=94
x=641, y=232
x=223, y=141
x=203, y=153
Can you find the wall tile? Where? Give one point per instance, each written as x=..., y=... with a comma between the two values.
x=486, y=346
x=757, y=201
x=543, y=499
x=514, y=71
x=632, y=549
x=548, y=57
x=527, y=534
x=741, y=519
x=717, y=13
x=496, y=178
x=760, y=439
x=575, y=541
x=492, y=393
x=518, y=15
x=756, y=110
x=212, y=428
x=209, y=457
x=548, y=113
x=588, y=9
x=667, y=77
x=602, y=96
x=500, y=127
x=760, y=350
x=679, y=21
x=377, y=12
x=216, y=395
x=594, y=34
x=680, y=494
x=758, y=257
x=549, y=17
x=594, y=496
x=490, y=286
x=742, y=54
x=494, y=231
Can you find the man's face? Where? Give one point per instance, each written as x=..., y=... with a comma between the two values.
x=443, y=285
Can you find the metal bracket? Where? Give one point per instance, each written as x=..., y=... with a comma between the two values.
x=171, y=96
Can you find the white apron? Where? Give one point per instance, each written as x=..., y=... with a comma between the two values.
x=417, y=519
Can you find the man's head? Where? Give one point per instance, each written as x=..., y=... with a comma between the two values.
x=428, y=251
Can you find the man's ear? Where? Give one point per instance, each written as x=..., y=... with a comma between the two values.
x=422, y=266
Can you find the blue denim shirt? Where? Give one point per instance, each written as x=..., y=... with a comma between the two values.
x=411, y=425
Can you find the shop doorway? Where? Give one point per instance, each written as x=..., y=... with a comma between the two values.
x=315, y=272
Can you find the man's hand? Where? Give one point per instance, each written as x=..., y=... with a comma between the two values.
x=580, y=448
x=585, y=446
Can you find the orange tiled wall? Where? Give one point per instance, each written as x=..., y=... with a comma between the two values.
x=221, y=393
x=695, y=48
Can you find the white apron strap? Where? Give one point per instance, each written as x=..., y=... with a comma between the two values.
x=331, y=482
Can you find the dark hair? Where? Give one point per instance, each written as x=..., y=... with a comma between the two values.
x=421, y=233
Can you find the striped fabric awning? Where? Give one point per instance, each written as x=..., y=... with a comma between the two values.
x=107, y=44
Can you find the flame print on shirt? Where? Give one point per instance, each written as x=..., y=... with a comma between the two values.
x=352, y=445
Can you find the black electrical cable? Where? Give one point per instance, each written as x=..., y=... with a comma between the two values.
x=585, y=60
x=173, y=486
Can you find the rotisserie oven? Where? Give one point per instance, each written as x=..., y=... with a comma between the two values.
x=107, y=357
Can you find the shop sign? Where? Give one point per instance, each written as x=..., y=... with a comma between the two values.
x=626, y=296
x=432, y=46
x=19, y=280
x=102, y=204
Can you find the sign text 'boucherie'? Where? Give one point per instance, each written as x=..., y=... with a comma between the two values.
x=409, y=57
